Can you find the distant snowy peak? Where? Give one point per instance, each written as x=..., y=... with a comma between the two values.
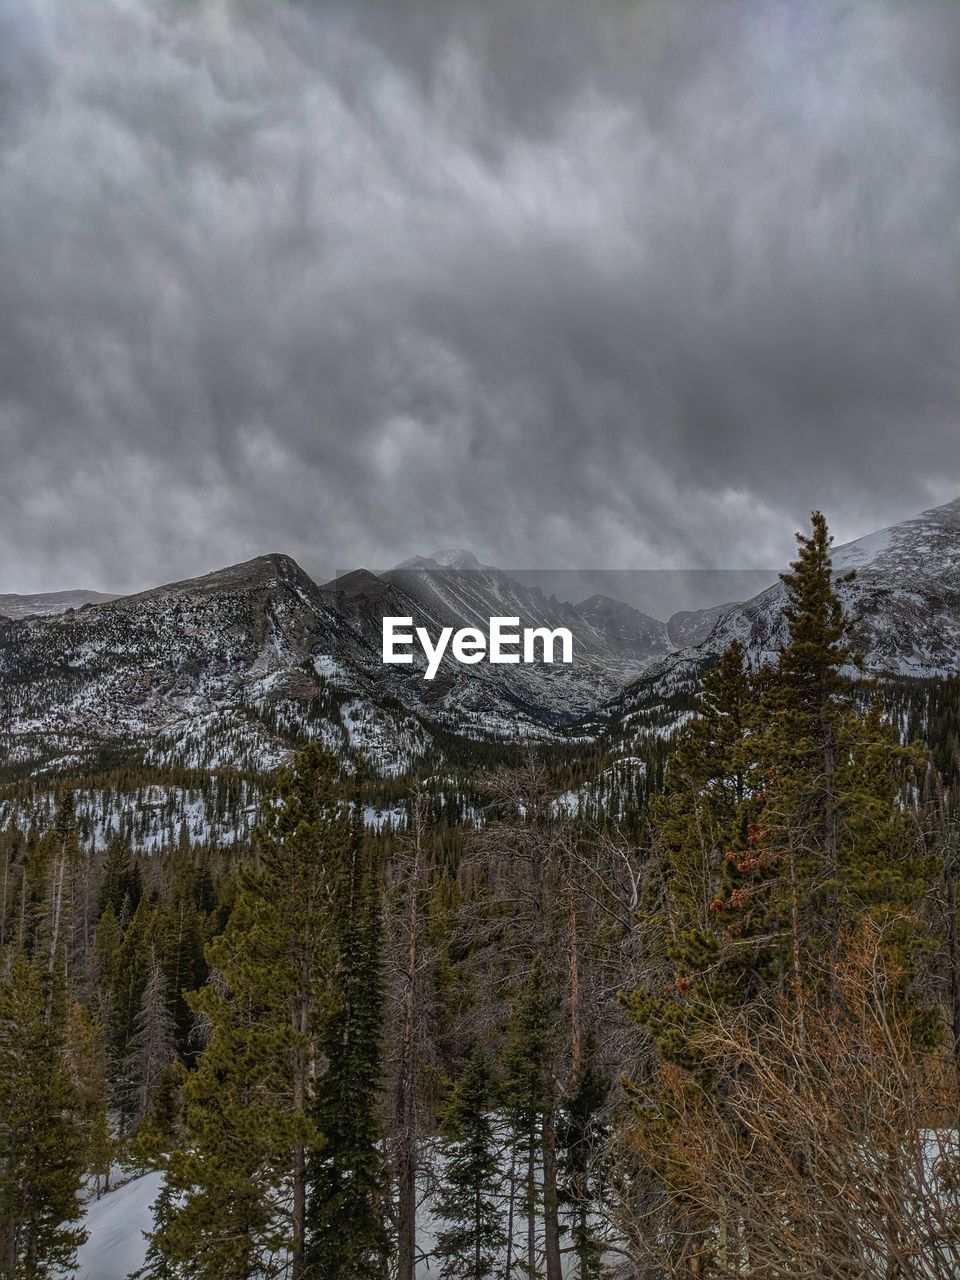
x=622, y=628
x=602, y=606
x=612, y=641
x=49, y=603
x=452, y=558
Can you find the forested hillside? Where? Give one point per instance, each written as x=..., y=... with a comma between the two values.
x=675, y=1001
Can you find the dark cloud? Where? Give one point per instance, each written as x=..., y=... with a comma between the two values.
x=610, y=284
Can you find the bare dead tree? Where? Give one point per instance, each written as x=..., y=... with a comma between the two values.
x=554, y=892
x=821, y=1143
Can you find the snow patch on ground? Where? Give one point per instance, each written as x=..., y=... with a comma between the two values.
x=116, y=1222
x=116, y=1226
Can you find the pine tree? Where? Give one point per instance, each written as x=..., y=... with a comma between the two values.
x=530, y=857
x=86, y=1056
x=829, y=835
x=406, y=904
x=180, y=944
x=222, y=1213
x=788, y=878
x=120, y=882
x=234, y=1197
x=160, y=1128
x=101, y=1149
x=45, y=928
x=128, y=979
x=775, y=838
x=346, y=1235
x=582, y=1136
x=468, y=1200
x=702, y=815
x=42, y=1143
x=785, y=817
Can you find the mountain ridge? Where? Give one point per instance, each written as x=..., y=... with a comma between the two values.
x=238, y=666
x=46, y=603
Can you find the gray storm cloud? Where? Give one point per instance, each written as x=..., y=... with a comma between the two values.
x=608, y=284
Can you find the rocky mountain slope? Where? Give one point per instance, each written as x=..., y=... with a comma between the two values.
x=608, y=636
x=215, y=670
x=237, y=667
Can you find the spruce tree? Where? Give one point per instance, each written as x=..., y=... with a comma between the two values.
x=234, y=1198
x=785, y=816
x=120, y=881
x=86, y=1056
x=128, y=979
x=829, y=834
x=180, y=945
x=42, y=1143
x=346, y=1234
x=775, y=837
x=469, y=1201
x=701, y=815
x=786, y=883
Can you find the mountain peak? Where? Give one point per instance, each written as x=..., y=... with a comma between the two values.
x=449, y=558
x=455, y=558
x=600, y=606
x=260, y=573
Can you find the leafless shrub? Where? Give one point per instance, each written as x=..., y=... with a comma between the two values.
x=819, y=1141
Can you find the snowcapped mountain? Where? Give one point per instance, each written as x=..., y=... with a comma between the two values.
x=611, y=645
x=451, y=558
x=224, y=669
x=238, y=667
x=691, y=627
x=903, y=601
x=608, y=636
x=49, y=602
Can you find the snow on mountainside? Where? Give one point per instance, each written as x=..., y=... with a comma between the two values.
x=452, y=589
x=903, y=601
x=214, y=671
x=691, y=627
x=49, y=602
x=239, y=667
x=608, y=636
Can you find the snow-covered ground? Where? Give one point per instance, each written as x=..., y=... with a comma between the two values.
x=116, y=1224
x=116, y=1246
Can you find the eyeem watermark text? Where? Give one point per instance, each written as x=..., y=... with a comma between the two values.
x=503, y=643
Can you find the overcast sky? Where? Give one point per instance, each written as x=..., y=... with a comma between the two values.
x=598, y=284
